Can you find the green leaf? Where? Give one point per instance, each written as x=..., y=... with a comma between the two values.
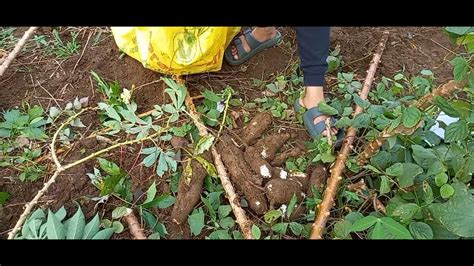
x=378, y=232
x=441, y=179
x=256, y=232
x=220, y=234
x=119, y=212
x=54, y=112
x=203, y=144
x=395, y=123
x=384, y=185
x=76, y=225
x=129, y=116
x=425, y=192
x=426, y=158
x=456, y=131
x=291, y=205
x=461, y=67
x=440, y=232
x=91, y=228
x=410, y=116
x=296, y=228
x=210, y=168
x=151, y=158
x=347, y=111
x=457, y=214
x=118, y=226
x=327, y=157
x=445, y=106
x=154, y=224
x=150, y=193
x=77, y=123
x=3, y=197
x=55, y=229
x=459, y=30
x=110, y=111
x=104, y=234
x=35, y=112
x=34, y=133
x=446, y=191
x=196, y=221
x=162, y=202
x=61, y=213
x=420, y=230
x=396, y=230
x=106, y=223
x=361, y=120
x=224, y=210
x=406, y=212
x=209, y=207
x=395, y=170
x=327, y=109
x=398, y=76
x=360, y=102
x=343, y=122
x=364, y=223
x=5, y=133
x=109, y=167
x=162, y=166
x=11, y=115
x=353, y=217
x=237, y=235
x=280, y=228
x=227, y=223
x=348, y=76
x=406, y=173
x=462, y=107
x=381, y=160
x=342, y=229
x=272, y=215
x=210, y=95
x=426, y=72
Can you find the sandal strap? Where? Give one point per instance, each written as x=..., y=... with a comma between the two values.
x=252, y=42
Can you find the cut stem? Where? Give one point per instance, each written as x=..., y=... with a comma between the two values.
x=338, y=168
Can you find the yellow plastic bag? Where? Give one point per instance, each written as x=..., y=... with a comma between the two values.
x=176, y=50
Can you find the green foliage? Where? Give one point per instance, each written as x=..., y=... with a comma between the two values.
x=53, y=226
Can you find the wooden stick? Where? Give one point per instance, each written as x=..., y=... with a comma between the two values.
x=17, y=49
x=336, y=171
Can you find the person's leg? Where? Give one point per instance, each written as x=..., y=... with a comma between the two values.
x=313, y=47
x=261, y=34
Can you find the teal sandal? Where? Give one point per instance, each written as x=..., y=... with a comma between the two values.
x=255, y=47
x=315, y=130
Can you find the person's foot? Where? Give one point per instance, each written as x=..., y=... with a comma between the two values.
x=260, y=34
x=313, y=96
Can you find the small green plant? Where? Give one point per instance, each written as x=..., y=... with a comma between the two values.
x=115, y=182
x=214, y=105
x=57, y=46
x=65, y=49
x=277, y=108
x=51, y=226
x=278, y=221
x=20, y=127
x=321, y=151
x=7, y=39
x=334, y=59
x=4, y=196
x=219, y=220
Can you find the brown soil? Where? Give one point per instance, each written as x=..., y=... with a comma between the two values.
x=31, y=74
